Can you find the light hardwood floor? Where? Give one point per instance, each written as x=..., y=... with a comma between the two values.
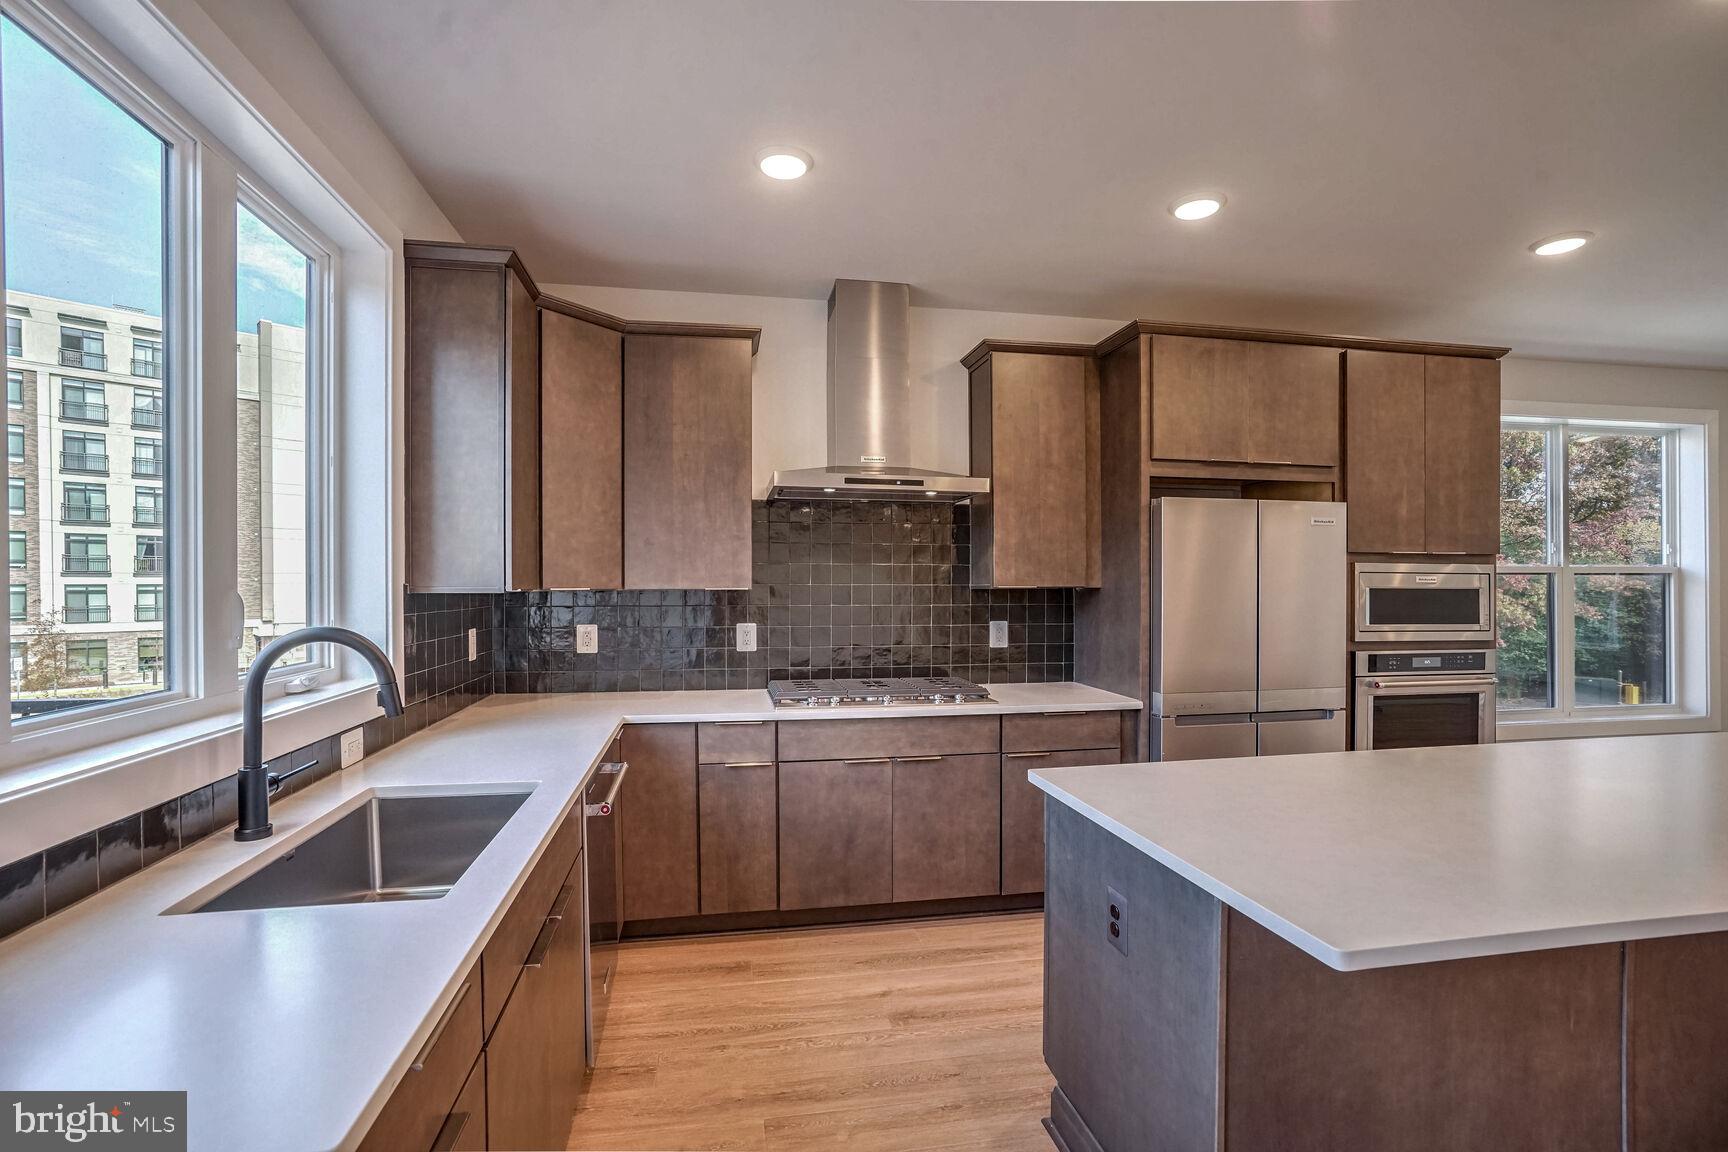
x=892, y=1037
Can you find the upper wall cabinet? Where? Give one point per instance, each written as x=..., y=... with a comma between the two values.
x=1245, y=401
x=473, y=415
x=581, y=452
x=687, y=416
x=1034, y=424
x=1422, y=471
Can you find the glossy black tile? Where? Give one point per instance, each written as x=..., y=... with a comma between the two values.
x=70, y=871
x=160, y=827
x=119, y=849
x=22, y=899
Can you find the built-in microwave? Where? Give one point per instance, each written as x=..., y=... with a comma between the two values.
x=1401, y=602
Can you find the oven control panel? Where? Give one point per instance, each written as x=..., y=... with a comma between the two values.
x=1374, y=663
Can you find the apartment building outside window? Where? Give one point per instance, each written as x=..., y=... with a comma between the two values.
x=86, y=604
x=148, y=605
x=14, y=336
x=14, y=389
x=147, y=358
x=85, y=452
x=85, y=504
x=86, y=556
x=150, y=659
x=15, y=496
x=81, y=348
x=20, y=601
x=87, y=658
x=85, y=401
x=18, y=549
x=149, y=559
x=147, y=508
x=15, y=441
x=147, y=409
x=148, y=460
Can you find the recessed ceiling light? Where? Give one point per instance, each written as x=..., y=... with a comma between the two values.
x=783, y=163
x=1562, y=244
x=1197, y=207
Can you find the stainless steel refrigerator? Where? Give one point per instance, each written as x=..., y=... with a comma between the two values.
x=1250, y=605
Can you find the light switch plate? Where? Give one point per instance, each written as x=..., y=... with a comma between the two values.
x=353, y=746
x=746, y=637
x=473, y=644
x=587, y=637
x=998, y=633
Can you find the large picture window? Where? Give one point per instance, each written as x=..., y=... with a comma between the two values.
x=1590, y=568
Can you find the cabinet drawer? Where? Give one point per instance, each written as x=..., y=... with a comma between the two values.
x=515, y=934
x=735, y=742
x=1023, y=812
x=416, y=1111
x=867, y=739
x=1057, y=731
x=464, y=1129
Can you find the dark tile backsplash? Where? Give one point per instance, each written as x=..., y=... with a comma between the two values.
x=440, y=680
x=841, y=589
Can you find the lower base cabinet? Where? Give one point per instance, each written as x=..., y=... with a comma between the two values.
x=947, y=827
x=1023, y=813
x=836, y=833
x=537, y=1053
x=418, y=1110
x=465, y=1128
x=739, y=864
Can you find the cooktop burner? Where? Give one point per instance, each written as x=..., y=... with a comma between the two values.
x=880, y=690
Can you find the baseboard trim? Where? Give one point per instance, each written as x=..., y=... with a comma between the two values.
x=824, y=917
x=1067, y=1131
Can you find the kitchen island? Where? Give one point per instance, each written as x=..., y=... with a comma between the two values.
x=1513, y=946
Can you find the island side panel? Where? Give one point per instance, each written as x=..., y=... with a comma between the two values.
x=1514, y=1051
x=1677, y=1042
x=1132, y=1035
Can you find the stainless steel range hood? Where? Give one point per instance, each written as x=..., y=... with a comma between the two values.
x=870, y=407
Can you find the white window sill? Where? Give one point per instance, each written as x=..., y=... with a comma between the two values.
x=46, y=802
x=1565, y=728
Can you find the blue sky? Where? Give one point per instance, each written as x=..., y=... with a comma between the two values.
x=84, y=199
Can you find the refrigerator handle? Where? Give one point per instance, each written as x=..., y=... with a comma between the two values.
x=1213, y=718
x=1293, y=717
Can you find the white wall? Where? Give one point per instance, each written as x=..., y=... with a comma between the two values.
x=791, y=405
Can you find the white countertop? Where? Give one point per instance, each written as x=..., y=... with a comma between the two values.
x=290, y=1027
x=1370, y=859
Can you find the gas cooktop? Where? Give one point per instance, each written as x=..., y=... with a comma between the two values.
x=882, y=690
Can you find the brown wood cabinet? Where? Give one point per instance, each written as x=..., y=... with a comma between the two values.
x=836, y=833
x=687, y=479
x=464, y=1129
x=536, y=1055
x=659, y=821
x=739, y=809
x=416, y=1111
x=1023, y=811
x=473, y=413
x=581, y=453
x=513, y=939
x=1422, y=460
x=1244, y=400
x=1034, y=435
x=947, y=827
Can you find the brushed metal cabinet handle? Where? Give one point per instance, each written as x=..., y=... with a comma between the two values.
x=872, y=760
x=748, y=764
x=1023, y=755
x=543, y=942
x=737, y=723
x=917, y=759
x=419, y=1064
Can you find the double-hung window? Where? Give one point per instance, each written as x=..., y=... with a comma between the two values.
x=1601, y=569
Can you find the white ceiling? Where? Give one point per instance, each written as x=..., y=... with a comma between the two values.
x=1387, y=162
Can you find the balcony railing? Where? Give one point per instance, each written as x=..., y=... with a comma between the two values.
x=87, y=462
x=86, y=565
x=93, y=615
x=147, y=417
x=84, y=411
x=147, y=614
x=84, y=513
x=78, y=358
x=148, y=566
x=146, y=466
x=150, y=368
x=147, y=518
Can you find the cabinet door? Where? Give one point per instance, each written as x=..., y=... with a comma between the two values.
x=464, y=1129
x=522, y=448
x=1463, y=455
x=1035, y=436
x=738, y=810
x=947, y=827
x=1385, y=458
x=1244, y=400
x=686, y=462
x=581, y=453
x=659, y=826
x=836, y=833
x=417, y=1108
x=1023, y=812
x=536, y=1056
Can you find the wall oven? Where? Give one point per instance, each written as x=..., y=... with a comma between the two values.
x=1402, y=602
x=1424, y=699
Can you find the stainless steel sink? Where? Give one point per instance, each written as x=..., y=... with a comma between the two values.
x=391, y=847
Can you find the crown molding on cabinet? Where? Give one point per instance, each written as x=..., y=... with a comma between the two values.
x=1276, y=336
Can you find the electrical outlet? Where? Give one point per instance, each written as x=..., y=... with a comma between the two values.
x=1117, y=926
x=998, y=633
x=353, y=746
x=473, y=644
x=746, y=637
x=587, y=637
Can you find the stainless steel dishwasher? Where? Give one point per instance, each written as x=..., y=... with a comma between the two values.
x=603, y=840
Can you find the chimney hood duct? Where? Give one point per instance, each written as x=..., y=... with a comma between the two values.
x=870, y=407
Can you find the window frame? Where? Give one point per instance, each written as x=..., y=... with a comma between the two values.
x=1689, y=550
